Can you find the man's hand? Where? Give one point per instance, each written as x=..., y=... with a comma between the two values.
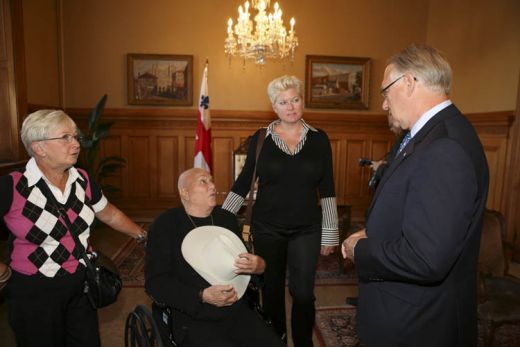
x=248, y=263
x=220, y=295
x=347, y=248
x=376, y=164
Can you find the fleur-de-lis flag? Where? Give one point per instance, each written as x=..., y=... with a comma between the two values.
x=203, y=136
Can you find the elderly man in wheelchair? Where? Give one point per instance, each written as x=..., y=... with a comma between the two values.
x=197, y=272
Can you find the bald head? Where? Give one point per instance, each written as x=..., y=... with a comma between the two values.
x=187, y=176
x=196, y=189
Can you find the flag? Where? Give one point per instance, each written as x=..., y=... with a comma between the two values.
x=203, y=136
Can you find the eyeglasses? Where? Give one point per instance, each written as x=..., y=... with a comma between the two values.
x=65, y=138
x=285, y=103
x=384, y=91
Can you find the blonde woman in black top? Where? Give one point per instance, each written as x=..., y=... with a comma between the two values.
x=289, y=228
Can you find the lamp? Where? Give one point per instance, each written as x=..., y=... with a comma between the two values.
x=269, y=39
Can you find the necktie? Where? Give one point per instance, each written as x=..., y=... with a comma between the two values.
x=404, y=142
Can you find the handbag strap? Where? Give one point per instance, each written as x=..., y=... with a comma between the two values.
x=54, y=203
x=246, y=235
x=63, y=215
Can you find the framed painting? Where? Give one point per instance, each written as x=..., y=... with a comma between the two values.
x=336, y=82
x=160, y=79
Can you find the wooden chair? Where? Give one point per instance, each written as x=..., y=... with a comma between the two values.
x=499, y=293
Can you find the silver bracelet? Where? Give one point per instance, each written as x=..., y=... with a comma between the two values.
x=6, y=275
x=142, y=238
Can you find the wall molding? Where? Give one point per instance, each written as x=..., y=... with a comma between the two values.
x=158, y=144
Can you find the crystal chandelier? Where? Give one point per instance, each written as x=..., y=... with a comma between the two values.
x=269, y=39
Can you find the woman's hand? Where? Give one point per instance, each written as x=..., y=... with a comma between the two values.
x=326, y=250
x=248, y=263
x=219, y=295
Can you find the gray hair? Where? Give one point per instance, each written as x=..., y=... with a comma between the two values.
x=281, y=84
x=38, y=126
x=427, y=64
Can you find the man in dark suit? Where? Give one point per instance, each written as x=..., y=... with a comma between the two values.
x=417, y=258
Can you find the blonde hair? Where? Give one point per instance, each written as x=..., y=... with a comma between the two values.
x=281, y=84
x=38, y=125
x=427, y=64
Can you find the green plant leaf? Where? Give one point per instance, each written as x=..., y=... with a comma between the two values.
x=112, y=158
x=96, y=112
x=109, y=168
x=108, y=188
x=101, y=130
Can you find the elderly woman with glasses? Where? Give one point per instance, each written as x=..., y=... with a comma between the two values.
x=288, y=227
x=44, y=279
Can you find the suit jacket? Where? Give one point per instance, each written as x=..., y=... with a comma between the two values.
x=418, y=267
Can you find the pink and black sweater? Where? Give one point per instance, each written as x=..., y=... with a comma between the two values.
x=40, y=241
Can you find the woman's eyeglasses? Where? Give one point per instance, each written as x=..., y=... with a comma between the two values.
x=68, y=138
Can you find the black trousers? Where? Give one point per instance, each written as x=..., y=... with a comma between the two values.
x=244, y=328
x=296, y=251
x=51, y=312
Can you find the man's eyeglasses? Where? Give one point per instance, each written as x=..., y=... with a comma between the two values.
x=285, y=103
x=65, y=138
x=384, y=91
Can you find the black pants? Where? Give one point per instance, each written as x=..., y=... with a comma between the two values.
x=244, y=328
x=51, y=312
x=295, y=250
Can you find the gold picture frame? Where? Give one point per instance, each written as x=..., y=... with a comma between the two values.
x=160, y=79
x=337, y=82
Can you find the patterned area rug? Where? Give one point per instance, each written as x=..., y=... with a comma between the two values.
x=130, y=262
x=335, y=327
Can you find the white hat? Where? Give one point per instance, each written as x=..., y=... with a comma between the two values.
x=211, y=251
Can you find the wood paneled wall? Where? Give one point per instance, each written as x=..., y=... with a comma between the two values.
x=158, y=145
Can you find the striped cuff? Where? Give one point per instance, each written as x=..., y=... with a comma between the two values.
x=329, y=210
x=233, y=203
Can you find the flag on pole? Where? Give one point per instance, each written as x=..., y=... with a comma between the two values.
x=203, y=136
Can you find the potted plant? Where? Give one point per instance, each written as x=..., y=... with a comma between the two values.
x=104, y=167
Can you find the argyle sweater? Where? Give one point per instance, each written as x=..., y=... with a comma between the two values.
x=40, y=241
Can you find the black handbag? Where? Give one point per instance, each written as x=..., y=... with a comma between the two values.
x=103, y=283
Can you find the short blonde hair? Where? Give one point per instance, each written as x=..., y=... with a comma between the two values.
x=427, y=64
x=281, y=84
x=38, y=125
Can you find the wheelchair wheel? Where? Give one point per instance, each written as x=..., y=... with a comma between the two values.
x=141, y=329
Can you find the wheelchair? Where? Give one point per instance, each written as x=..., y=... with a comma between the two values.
x=149, y=329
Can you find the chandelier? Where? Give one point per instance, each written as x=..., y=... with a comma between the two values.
x=269, y=39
